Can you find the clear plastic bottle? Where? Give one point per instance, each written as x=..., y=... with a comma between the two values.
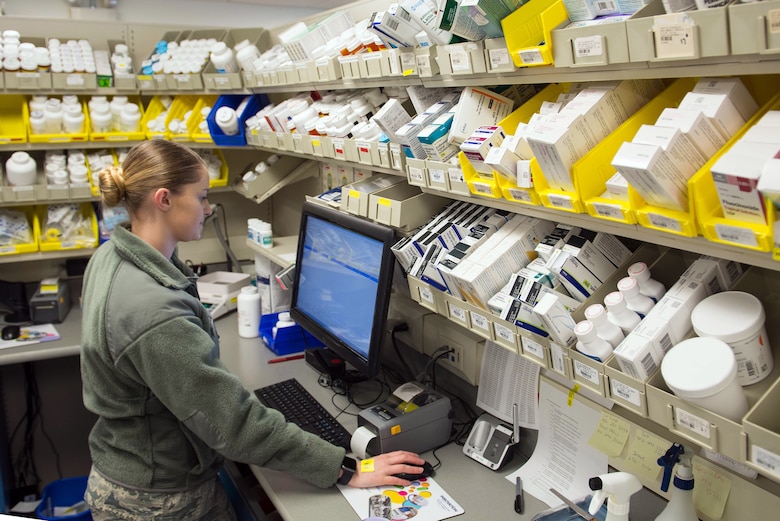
x=647, y=285
x=618, y=312
x=604, y=328
x=635, y=301
x=249, y=312
x=589, y=343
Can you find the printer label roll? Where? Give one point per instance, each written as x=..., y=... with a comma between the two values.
x=360, y=440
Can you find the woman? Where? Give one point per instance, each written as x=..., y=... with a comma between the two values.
x=168, y=410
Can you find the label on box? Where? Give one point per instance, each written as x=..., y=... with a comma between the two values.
x=664, y=222
x=737, y=235
x=561, y=201
x=611, y=211
x=456, y=175
x=457, y=312
x=424, y=63
x=504, y=333
x=674, y=37
x=765, y=459
x=498, y=58
x=774, y=21
x=460, y=60
x=480, y=321
x=531, y=57
x=482, y=188
x=626, y=392
x=416, y=175
x=437, y=175
x=693, y=423
x=534, y=348
x=520, y=195
x=588, y=46
x=587, y=372
x=556, y=355
x=426, y=295
x=74, y=80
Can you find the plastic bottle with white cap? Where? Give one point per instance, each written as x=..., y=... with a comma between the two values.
x=130, y=118
x=597, y=314
x=72, y=119
x=248, y=309
x=589, y=343
x=619, y=314
x=52, y=113
x=223, y=58
x=21, y=169
x=635, y=301
x=227, y=120
x=647, y=285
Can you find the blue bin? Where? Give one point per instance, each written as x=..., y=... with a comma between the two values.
x=254, y=103
x=63, y=493
x=288, y=340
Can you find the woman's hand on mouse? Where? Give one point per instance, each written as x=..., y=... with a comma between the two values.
x=381, y=469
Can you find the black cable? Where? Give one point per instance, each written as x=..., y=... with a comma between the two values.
x=395, y=329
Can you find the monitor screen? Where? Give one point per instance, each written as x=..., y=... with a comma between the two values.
x=342, y=284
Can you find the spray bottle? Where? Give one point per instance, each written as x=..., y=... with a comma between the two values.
x=617, y=487
x=680, y=506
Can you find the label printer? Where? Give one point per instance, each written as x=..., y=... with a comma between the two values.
x=413, y=419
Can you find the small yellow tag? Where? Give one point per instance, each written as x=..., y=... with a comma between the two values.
x=367, y=465
x=383, y=201
x=354, y=194
x=574, y=391
x=395, y=429
x=408, y=72
x=315, y=143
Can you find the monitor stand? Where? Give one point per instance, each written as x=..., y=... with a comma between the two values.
x=332, y=366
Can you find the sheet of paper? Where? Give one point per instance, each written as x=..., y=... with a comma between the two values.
x=562, y=458
x=506, y=379
x=29, y=335
x=423, y=500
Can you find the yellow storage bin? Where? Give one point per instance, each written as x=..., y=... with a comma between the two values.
x=593, y=169
x=29, y=247
x=138, y=135
x=59, y=138
x=481, y=185
x=709, y=214
x=179, y=108
x=12, y=119
x=508, y=187
x=528, y=26
x=222, y=180
x=193, y=124
x=86, y=236
x=154, y=109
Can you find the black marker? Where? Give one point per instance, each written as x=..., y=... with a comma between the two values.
x=519, y=495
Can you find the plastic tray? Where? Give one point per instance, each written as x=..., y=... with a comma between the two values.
x=53, y=244
x=193, y=124
x=120, y=136
x=255, y=103
x=217, y=81
x=223, y=172
x=192, y=81
x=529, y=25
x=153, y=109
x=63, y=493
x=288, y=340
x=12, y=119
x=180, y=106
x=159, y=81
x=750, y=28
x=59, y=138
x=30, y=247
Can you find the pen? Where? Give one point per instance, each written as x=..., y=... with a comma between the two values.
x=285, y=358
x=519, y=495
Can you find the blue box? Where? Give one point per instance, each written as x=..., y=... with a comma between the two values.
x=293, y=339
x=255, y=103
x=63, y=493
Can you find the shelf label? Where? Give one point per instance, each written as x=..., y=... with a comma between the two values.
x=587, y=372
x=221, y=81
x=626, y=392
x=22, y=189
x=693, y=423
x=765, y=459
x=456, y=175
x=675, y=36
x=498, y=58
x=532, y=347
x=520, y=195
x=7, y=249
x=480, y=321
x=531, y=57
x=460, y=60
x=384, y=201
x=437, y=175
x=338, y=147
x=457, y=312
x=482, y=188
x=737, y=235
x=424, y=62
x=774, y=21
x=74, y=80
x=354, y=194
x=426, y=295
x=556, y=356
x=612, y=211
x=588, y=46
x=416, y=175
x=182, y=78
x=561, y=201
x=504, y=333
x=664, y=222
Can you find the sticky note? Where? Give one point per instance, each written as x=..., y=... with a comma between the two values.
x=711, y=490
x=611, y=434
x=642, y=453
x=367, y=465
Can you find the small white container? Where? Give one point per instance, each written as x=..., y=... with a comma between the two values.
x=130, y=118
x=703, y=371
x=605, y=329
x=635, y=301
x=619, y=314
x=52, y=114
x=72, y=119
x=101, y=119
x=738, y=319
x=589, y=343
x=647, y=285
x=223, y=58
x=37, y=122
x=21, y=169
x=248, y=309
x=227, y=120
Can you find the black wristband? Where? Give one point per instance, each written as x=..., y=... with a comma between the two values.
x=348, y=469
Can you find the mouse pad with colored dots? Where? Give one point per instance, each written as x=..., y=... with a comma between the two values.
x=421, y=500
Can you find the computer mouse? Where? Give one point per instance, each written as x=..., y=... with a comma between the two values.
x=10, y=332
x=427, y=471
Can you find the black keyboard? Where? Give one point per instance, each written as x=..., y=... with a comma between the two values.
x=299, y=407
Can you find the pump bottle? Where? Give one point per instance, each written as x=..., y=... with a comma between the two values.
x=616, y=488
x=680, y=506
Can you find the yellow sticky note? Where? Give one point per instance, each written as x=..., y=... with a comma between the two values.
x=367, y=465
x=711, y=490
x=611, y=434
x=642, y=453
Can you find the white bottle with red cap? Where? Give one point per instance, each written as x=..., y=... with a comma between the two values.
x=618, y=312
x=635, y=301
x=589, y=343
x=604, y=328
x=647, y=285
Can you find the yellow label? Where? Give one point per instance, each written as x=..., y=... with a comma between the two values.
x=48, y=288
x=384, y=202
x=367, y=465
x=354, y=194
x=395, y=429
x=315, y=142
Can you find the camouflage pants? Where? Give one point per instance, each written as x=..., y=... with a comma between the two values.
x=111, y=502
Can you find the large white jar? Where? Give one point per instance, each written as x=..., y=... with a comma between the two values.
x=21, y=169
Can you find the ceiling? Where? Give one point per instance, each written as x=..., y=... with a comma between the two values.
x=311, y=4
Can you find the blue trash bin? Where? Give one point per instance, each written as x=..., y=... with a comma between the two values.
x=63, y=493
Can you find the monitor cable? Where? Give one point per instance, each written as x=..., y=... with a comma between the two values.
x=218, y=213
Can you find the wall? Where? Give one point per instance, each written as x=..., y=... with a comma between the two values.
x=173, y=12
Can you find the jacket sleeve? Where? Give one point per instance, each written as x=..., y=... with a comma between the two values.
x=175, y=360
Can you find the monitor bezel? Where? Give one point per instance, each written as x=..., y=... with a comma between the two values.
x=368, y=367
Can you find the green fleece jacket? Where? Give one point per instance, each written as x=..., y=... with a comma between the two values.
x=168, y=409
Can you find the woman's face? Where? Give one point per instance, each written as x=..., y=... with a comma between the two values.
x=189, y=208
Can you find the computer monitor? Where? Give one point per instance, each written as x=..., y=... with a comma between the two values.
x=342, y=284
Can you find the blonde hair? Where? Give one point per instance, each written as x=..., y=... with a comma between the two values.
x=148, y=166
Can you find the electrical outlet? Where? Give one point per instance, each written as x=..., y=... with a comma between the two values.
x=456, y=356
x=466, y=359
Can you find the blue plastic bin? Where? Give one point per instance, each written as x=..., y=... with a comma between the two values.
x=288, y=340
x=63, y=493
x=255, y=103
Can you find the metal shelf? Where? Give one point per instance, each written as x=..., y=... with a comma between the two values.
x=46, y=255
x=373, y=168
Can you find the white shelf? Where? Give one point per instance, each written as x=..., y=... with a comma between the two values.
x=282, y=252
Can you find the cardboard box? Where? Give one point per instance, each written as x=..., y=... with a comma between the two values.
x=717, y=107
x=696, y=127
x=477, y=106
x=653, y=175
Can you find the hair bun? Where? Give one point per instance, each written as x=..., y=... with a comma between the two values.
x=112, y=185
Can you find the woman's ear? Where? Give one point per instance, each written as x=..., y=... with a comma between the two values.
x=162, y=199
